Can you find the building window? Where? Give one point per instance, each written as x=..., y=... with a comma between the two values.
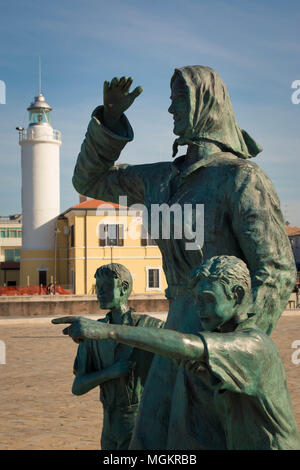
x=13, y=255
x=111, y=235
x=43, y=278
x=72, y=236
x=153, y=278
x=10, y=233
x=146, y=240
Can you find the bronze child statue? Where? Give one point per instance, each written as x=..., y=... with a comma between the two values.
x=250, y=407
x=119, y=370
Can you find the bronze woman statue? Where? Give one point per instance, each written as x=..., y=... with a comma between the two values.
x=242, y=218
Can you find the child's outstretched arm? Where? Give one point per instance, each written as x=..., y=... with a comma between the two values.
x=165, y=342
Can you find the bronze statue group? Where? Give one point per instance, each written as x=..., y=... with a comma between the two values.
x=209, y=377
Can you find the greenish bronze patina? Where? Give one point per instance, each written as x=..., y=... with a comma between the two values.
x=119, y=370
x=249, y=406
x=242, y=218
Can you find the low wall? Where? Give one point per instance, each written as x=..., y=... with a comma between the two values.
x=40, y=305
x=21, y=306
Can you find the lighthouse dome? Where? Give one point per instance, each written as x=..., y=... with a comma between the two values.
x=39, y=111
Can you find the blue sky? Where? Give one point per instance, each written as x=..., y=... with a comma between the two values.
x=253, y=45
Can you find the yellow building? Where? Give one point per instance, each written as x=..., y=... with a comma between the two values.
x=78, y=250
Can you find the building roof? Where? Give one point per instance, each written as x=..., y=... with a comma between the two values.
x=292, y=231
x=11, y=219
x=94, y=204
x=39, y=103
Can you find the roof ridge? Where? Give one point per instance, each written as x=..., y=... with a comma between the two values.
x=95, y=203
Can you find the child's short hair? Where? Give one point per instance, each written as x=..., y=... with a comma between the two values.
x=117, y=271
x=230, y=271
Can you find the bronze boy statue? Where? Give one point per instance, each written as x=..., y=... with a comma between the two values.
x=120, y=370
x=250, y=407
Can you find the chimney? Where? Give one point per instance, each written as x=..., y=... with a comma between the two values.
x=82, y=198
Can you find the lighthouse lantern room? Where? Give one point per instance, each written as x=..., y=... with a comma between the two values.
x=39, y=111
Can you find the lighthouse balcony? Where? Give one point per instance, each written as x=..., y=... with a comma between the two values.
x=39, y=133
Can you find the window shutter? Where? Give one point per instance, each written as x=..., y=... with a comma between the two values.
x=72, y=237
x=153, y=278
x=120, y=234
x=102, y=234
x=144, y=236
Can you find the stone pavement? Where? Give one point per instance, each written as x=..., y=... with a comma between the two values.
x=38, y=410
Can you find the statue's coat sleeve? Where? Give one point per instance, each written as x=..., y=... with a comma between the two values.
x=95, y=174
x=258, y=224
x=82, y=362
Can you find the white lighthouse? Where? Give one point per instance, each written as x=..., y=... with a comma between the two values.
x=40, y=145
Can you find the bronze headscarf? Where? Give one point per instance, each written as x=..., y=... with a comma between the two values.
x=212, y=114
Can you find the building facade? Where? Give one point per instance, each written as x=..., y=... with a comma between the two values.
x=10, y=249
x=91, y=234
x=294, y=236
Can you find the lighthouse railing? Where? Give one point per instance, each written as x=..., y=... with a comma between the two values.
x=31, y=134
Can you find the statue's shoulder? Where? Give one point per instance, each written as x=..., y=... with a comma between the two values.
x=242, y=168
x=260, y=342
x=238, y=164
x=239, y=174
x=156, y=166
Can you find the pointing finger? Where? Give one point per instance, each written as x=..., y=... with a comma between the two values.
x=58, y=321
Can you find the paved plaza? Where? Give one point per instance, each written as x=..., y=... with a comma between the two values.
x=38, y=410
